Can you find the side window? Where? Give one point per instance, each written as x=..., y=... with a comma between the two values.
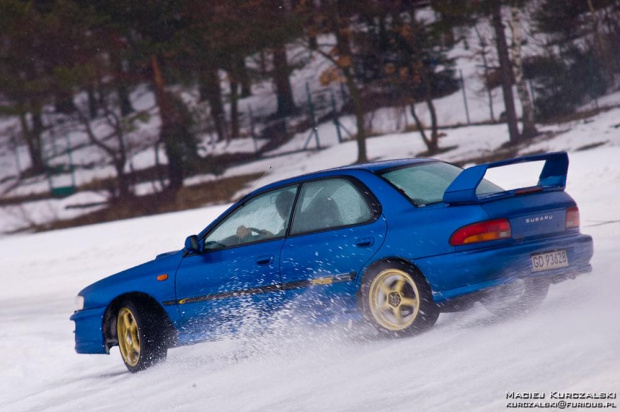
x=328, y=204
x=264, y=217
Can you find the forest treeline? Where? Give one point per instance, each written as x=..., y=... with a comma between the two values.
x=79, y=62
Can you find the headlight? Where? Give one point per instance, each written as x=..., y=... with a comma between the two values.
x=79, y=302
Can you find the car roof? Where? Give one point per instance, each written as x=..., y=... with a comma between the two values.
x=372, y=167
x=384, y=164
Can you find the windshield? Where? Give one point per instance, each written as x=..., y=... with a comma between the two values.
x=426, y=183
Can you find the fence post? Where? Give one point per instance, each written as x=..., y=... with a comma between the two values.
x=314, y=132
x=464, y=96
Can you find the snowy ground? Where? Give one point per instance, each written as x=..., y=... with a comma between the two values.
x=467, y=362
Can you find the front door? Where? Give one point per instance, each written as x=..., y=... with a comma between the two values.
x=236, y=279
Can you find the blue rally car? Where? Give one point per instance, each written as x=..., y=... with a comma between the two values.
x=394, y=243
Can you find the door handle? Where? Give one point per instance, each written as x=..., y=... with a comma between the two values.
x=264, y=260
x=365, y=242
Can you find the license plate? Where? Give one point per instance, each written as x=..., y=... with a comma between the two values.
x=549, y=260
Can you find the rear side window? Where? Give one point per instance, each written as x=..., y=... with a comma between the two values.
x=426, y=183
x=329, y=203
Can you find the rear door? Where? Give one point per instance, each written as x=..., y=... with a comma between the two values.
x=337, y=227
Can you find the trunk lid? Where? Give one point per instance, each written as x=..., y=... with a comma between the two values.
x=533, y=215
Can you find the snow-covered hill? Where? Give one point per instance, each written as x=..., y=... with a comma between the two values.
x=305, y=76
x=93, y=164
x=467, y=362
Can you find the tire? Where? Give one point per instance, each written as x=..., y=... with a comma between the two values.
x=397, y=300
x=521, y=296
x=141, y=339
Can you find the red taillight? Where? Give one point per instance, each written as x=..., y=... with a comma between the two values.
x=572, y=217
x=481, y=232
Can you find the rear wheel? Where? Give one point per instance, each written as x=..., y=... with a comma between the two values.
x=397, y=300
x=140, y=337
x=518, y=297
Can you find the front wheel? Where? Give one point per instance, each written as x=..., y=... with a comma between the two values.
x=140, y=338
x=397, y=300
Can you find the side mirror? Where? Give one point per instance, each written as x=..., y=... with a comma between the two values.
x=192, y=245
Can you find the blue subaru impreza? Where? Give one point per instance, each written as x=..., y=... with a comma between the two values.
x=394, y=243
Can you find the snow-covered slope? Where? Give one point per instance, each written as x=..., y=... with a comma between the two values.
x=467, y=362
x=451, y=110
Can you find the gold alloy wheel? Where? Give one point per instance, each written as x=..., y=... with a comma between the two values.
x=394, y=300
x=128, y=336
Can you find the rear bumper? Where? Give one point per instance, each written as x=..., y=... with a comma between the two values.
x=89, y=331
x=462, y=273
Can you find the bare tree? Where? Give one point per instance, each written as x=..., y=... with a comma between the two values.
x=483, y=51
x=529, y=126
x=601, y=48
x=341, y=57
x=115, y=143
x=506, y=71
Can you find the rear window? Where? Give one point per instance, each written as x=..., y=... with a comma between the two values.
x=426, y=183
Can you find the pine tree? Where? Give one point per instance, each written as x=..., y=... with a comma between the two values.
x=45, y=58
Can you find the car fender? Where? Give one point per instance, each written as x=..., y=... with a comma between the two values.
x=155, y=279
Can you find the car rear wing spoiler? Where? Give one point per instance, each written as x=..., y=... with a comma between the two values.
x=552, y=177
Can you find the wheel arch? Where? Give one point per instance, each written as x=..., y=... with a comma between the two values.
x=144, y=301
x=386, y=261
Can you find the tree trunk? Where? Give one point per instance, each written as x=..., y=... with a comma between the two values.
x=529, y=126
x=613, y=32
x=210, y=91
x=243, y=77
x=506, y=70
x=122, y=89
x=234, y=107
x=123, y=98
x=483, y=53
x=281, y=73
x=356, y=97
x=92, y=101
x=176, y=171
x=167, y=132
x=262, y=62
x=313, y=44
x=64, y=102
x=33, y=142
x=344, y=63
x=600, y=43
x=122, y=179
x=434, y=142
x=420, y=126
x=312, y=10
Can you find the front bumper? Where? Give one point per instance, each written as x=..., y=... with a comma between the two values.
x=89, y=331
x=466, y=272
